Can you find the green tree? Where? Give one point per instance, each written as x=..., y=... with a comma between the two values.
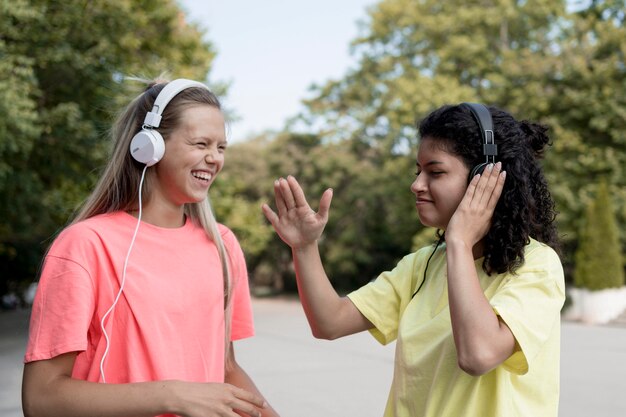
x=599, y=262
x=61, y=66
x=417, y=55
x=562, y=66
x=578, y=87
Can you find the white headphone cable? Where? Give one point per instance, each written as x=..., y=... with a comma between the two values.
x=119, y=293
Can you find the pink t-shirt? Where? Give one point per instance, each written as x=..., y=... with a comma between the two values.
x=169, y=320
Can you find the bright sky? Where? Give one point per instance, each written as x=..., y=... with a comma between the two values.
x=271, y=51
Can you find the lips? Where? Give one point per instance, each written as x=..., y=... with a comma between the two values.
x=202, y=175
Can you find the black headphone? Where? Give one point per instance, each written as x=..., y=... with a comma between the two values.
x=485, y=123
x=148, y=146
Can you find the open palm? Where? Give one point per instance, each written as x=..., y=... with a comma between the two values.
x=297, y=223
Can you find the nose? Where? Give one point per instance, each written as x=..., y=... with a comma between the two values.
x=418, y=185
x=212, y=155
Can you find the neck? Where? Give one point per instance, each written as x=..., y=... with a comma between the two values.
x=161, y=215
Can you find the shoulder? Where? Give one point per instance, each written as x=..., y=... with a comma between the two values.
x=225, y=232
x=89, y=235
x=86, y=230
x=537, y=253
x=424, y=253
x=228, y=237
x=416, y=261
x=541, y=266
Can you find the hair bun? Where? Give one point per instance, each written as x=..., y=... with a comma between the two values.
x=537, y=136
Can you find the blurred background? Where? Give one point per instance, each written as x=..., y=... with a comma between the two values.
x=329, y=92
x=345, y=85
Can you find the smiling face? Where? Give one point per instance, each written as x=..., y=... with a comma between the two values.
x=194, y=155
x=440, y=183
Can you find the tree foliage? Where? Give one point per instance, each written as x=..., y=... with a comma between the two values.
x=559, y=62
x=556, y=62
x=61, y=64
x=599, y=261
x=370, y=224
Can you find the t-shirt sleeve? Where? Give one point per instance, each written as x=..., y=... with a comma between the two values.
x=383, y=300
x=530, y=302
x=242, y=325
x=63, y=305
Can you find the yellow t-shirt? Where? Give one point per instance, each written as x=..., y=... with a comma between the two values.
x=427, y=380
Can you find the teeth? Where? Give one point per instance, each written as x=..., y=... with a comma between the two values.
x=202, y=175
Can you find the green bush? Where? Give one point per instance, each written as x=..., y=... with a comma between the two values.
x=599, y=262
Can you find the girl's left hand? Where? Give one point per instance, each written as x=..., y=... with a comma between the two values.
x=472, y=218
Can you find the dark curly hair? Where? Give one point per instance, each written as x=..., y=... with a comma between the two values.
x=526, y=208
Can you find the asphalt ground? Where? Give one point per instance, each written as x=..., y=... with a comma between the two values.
x=305, y=377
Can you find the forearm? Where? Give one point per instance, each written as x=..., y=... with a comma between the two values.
x=48, y=390
x=330, y=316
x=67, y=397
x=482, y=340
x=320, y=301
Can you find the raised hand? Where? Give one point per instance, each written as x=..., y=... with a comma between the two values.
x=297, y=223
x=472, y=218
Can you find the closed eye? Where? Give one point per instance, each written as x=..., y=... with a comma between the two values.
x=432, y=173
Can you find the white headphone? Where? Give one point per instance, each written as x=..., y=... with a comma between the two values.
x=148, y=145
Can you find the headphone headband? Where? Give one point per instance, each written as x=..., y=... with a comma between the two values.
x=485, y=123
x=148, y=146
x=171, y=89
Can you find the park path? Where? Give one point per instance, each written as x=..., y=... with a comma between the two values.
x=305, y=377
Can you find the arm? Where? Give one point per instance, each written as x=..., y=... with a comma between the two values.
x=482, y=339
x=49, y=390
x=236, y=376
x=329, y=315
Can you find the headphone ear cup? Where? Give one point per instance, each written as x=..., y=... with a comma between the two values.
x=478, y=169
x=147, y=147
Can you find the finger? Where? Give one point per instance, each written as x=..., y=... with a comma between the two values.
x=278, y=196
x=324, y=208
x=270, y=215
x=252, y=401
x=497, y=191
x=492, y=181
x=491, y=174
x=287, y=194
x=471, y=189
x=481, y=185
x=246, y=408
x=298, y=193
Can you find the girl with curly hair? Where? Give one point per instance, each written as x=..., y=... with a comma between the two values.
x=476, y=317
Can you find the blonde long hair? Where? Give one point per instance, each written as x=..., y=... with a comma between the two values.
x=118, y=186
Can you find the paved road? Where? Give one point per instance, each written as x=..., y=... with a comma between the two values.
x=304, y=377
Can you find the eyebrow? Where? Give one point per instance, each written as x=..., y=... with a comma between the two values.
x=208, y=138
x=430, y=163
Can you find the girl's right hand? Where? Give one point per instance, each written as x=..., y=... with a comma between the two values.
x=296, y=223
